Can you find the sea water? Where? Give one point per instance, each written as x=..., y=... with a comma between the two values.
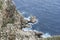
x=46, y=11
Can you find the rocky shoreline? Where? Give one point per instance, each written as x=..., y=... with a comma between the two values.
x=12, y=22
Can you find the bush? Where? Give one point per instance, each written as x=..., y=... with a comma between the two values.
x=0, y=5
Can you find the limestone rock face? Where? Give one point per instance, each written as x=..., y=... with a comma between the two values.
x=12, y=22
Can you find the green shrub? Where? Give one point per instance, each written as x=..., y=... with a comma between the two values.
x=0, y=5
x=11, y=20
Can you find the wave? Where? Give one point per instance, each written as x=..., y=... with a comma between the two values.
x=23, y=12
x=27, y=18
x=26, y=29
x=45, y=35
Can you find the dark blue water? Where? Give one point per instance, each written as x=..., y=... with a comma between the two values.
x=46, y=11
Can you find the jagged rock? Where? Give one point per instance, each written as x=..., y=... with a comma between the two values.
x=12, y=22
x=32, y=19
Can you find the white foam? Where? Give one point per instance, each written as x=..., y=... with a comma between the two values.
x=29, y=29
x=34, y=30
x=36, y=21
x=23, y=12
x=46, y=35
x=26, y=29
x=28, y=18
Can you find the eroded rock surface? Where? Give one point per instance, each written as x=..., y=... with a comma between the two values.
x=12, y=22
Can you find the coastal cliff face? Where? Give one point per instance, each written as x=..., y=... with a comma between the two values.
x=12, y=22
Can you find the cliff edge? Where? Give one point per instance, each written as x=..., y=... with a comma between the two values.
x=12, y=22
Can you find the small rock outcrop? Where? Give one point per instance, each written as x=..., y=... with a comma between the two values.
x=12, y=22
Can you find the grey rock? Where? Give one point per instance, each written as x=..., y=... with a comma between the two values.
x=12, y=22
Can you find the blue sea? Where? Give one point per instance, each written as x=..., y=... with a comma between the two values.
x=46, y=11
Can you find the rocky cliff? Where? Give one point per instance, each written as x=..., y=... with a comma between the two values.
x=12, y=22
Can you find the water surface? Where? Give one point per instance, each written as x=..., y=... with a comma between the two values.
x=47, y=12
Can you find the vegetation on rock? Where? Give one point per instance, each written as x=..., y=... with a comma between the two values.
x=1, y=4
x=12, y=23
